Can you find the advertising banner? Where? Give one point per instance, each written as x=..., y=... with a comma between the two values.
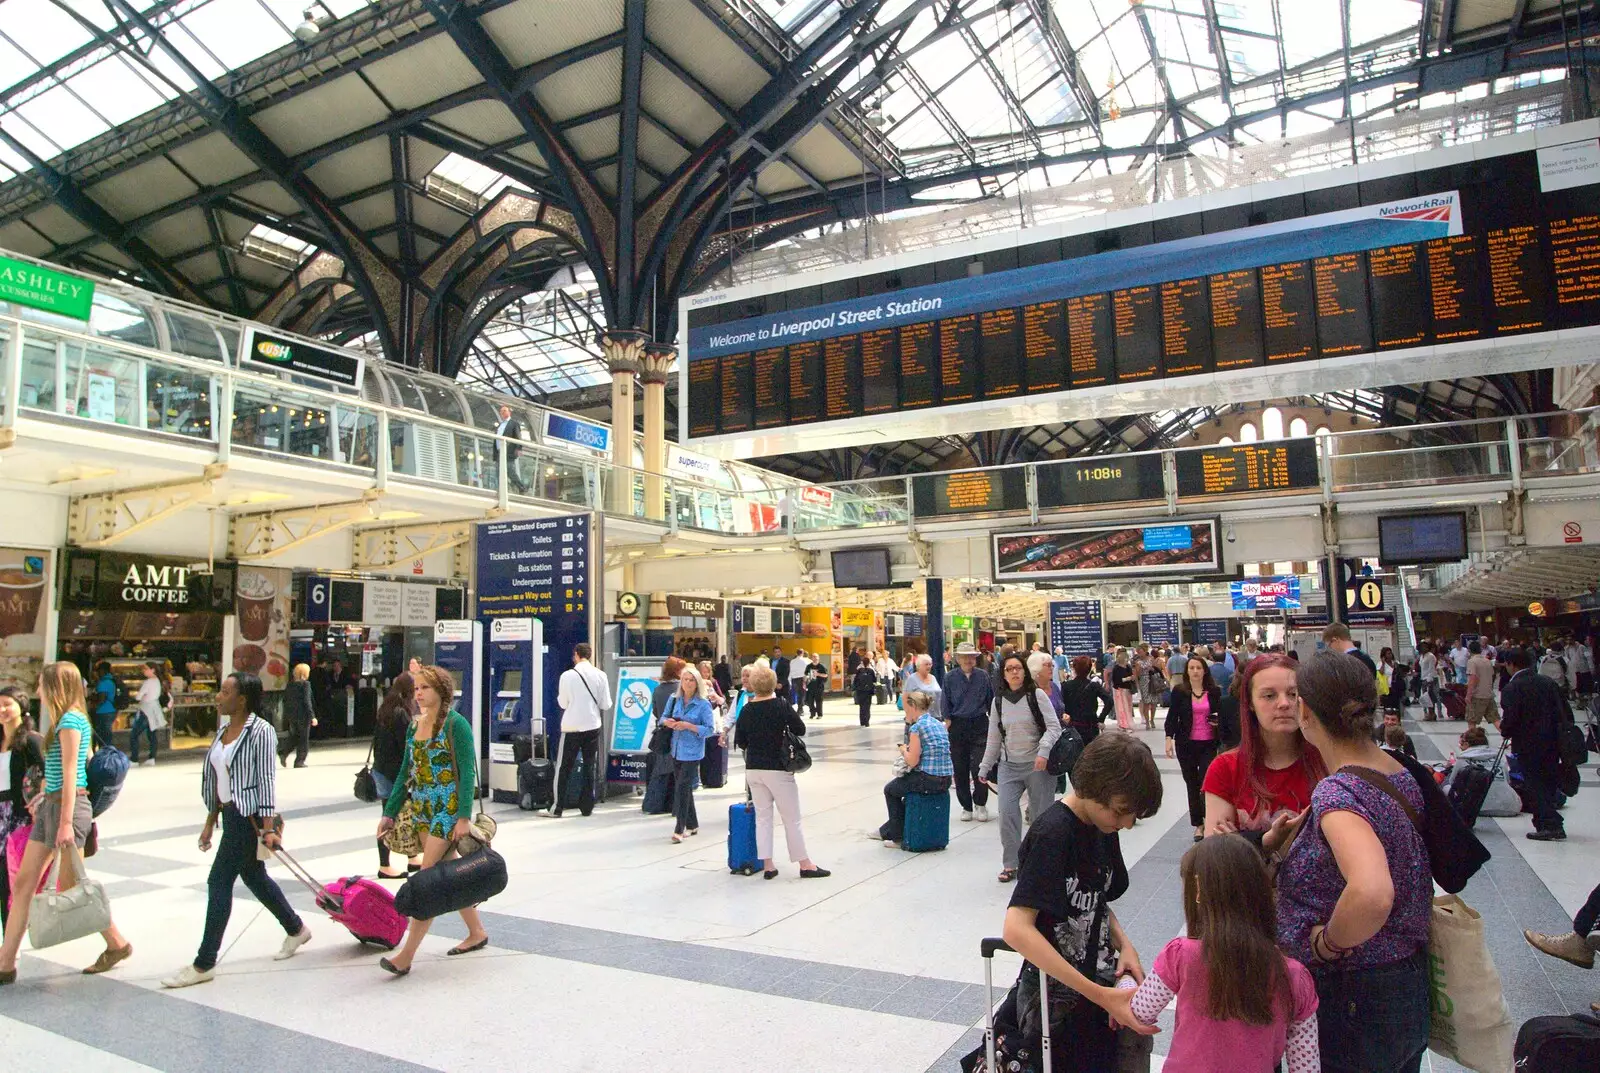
x=262, y=607
x=49, y=289
x=279, y=353
x=571, y=432
x=25, y=586
x=1266, y=593
x=855, y=616
x=1077, y=627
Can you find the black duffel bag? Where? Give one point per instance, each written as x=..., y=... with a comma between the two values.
x=451, y=886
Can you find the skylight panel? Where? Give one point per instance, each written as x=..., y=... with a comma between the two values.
x=42, y=30
x=115, y=90
x=55, y=120
x=234, y=31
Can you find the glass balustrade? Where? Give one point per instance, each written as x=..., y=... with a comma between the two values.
x=125, y=385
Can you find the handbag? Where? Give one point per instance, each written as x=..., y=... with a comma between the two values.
x=483, y=825
x=366, y=786
x=796, y=757
x=405, y=837
x=59, y=916
x=272, y=825
x=1470, y=1022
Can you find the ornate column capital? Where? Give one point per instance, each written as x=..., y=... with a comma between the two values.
x=658, y=361
x=623, y=349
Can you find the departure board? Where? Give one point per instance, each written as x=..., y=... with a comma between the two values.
x=1517, y=279
x=1343, y=323
x=958, y=354
x=1111, y=479
x=1399, y=311
x=919, y=354
x=1575, y=265
x=1185, y=328
x=1247, y=467
x=1236, y=319
x=969, y=493
x=1089, y=352
x=842, y=386
x=772, y=387
x=880, y=388
x=1000, y=342
x=738, y=392
x=1496, y=255
x=1288, y=312
x=805, y=382
x=1136, y=328
x=1044, y=352
x=1455, y=287
x=705, y=397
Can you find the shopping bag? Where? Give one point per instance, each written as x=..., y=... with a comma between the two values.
x=16, y=846
x=1470, y=1022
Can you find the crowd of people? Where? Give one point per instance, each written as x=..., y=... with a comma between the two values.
x=1306, y=896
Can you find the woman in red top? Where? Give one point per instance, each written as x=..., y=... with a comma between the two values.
x=1271, y=773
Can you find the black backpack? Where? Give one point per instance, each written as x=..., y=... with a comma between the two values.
x=119, y=694
x=1064, y=753
x=1559, y=1044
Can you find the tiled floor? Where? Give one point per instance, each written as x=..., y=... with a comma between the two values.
x=613, y=948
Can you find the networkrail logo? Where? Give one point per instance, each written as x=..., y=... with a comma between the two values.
x=1430, y=208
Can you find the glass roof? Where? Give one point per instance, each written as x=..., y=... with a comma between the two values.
x=51, y=108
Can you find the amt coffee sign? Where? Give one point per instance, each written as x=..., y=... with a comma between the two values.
x=154, y=585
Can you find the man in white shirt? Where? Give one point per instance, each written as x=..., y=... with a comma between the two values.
x=797, y=677
x=584, y=694
x=509, y=427
x=1458, y=658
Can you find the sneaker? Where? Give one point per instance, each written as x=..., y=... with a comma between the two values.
x=1571, y=947
x=292, y=944
x=982, y=813
x=149, y=763
x=188, y=976
x=1548, y=836
x=891, y=843
x=966, y=817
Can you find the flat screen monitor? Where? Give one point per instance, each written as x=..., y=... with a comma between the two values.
x=511, y=683
x=1415, y=539
x=862, y=568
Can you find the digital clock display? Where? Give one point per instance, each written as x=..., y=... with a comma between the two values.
x=1113, y=479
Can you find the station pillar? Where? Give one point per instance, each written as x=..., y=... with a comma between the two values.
x=623, y=353
x=935, y=625
x=656, y=365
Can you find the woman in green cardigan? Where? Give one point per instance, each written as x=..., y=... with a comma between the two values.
x=438, y=773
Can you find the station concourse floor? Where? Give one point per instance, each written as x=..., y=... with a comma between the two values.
x=612, y=948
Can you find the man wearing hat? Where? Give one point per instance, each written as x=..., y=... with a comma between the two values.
x=968, y=693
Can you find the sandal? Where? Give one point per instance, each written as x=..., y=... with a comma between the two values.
x=1008, y=875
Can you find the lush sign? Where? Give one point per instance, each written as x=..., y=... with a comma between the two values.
x=45, y=288
x=283, y=354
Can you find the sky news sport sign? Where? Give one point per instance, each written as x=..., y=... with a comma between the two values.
x=1266, y=594
x=45, y=288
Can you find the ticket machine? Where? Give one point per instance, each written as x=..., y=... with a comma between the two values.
x=458, y=647
x=514, y=690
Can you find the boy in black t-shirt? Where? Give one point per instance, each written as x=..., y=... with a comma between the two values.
x=1060, y=917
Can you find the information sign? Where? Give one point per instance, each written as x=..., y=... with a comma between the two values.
x=1161, y=628
x=1077, y=627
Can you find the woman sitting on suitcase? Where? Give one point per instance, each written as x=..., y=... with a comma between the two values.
x=759, y=733
x=438, y=773
x=925, y=756
x=237, y=783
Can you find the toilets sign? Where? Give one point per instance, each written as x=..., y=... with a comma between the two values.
x=45, y=288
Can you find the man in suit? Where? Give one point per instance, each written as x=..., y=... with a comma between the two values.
x=1531, y=710
x=780, y=668
x=511, y=429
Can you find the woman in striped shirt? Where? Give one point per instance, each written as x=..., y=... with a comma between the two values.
x=237, y=783
x=62, y=817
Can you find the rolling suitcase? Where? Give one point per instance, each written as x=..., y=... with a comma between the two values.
x=1454, y=698
x=1024, y=1056
x=1559, y=1044
x=1470, y=785
x=536, y=782
x=742, y=854
x=927, y=822
x=364, y=906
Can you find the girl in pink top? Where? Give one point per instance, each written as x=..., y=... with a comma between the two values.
x=1242, y=1005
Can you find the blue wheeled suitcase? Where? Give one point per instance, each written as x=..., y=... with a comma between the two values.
x=742, y=858
x=927, y=822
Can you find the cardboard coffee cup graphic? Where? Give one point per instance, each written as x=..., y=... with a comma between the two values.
x=21, y=593
x=256, y=595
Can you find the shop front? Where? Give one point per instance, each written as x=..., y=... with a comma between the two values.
x=697, y=626
x=128, y=610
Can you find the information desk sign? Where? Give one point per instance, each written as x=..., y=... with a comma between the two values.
x=1282, y=465
x=1077, y=627
x=539, y=568
x=1161, y=628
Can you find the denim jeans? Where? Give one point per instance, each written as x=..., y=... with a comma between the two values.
x=141, y=727
x=685, y=774
x=236, y=859
x=101, y=725
x=1584, y=922
x=1374, y=1020
x=383, y=784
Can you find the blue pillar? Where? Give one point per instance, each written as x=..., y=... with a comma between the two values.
x=936, y=625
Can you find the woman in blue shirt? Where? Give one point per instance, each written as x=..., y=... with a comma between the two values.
x=688, y=716
x=929, y=768
x=62, y=818
x=105, y=710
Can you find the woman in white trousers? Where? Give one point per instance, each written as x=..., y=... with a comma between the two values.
x=760, y=733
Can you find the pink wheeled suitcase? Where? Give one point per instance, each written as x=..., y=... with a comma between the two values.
x=364, y=906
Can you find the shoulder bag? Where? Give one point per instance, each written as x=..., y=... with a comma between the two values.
x=366, y=786
x=405, y=837
x=661, y=737
x=483, y=825
x=796, y=757
x=59, y=916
